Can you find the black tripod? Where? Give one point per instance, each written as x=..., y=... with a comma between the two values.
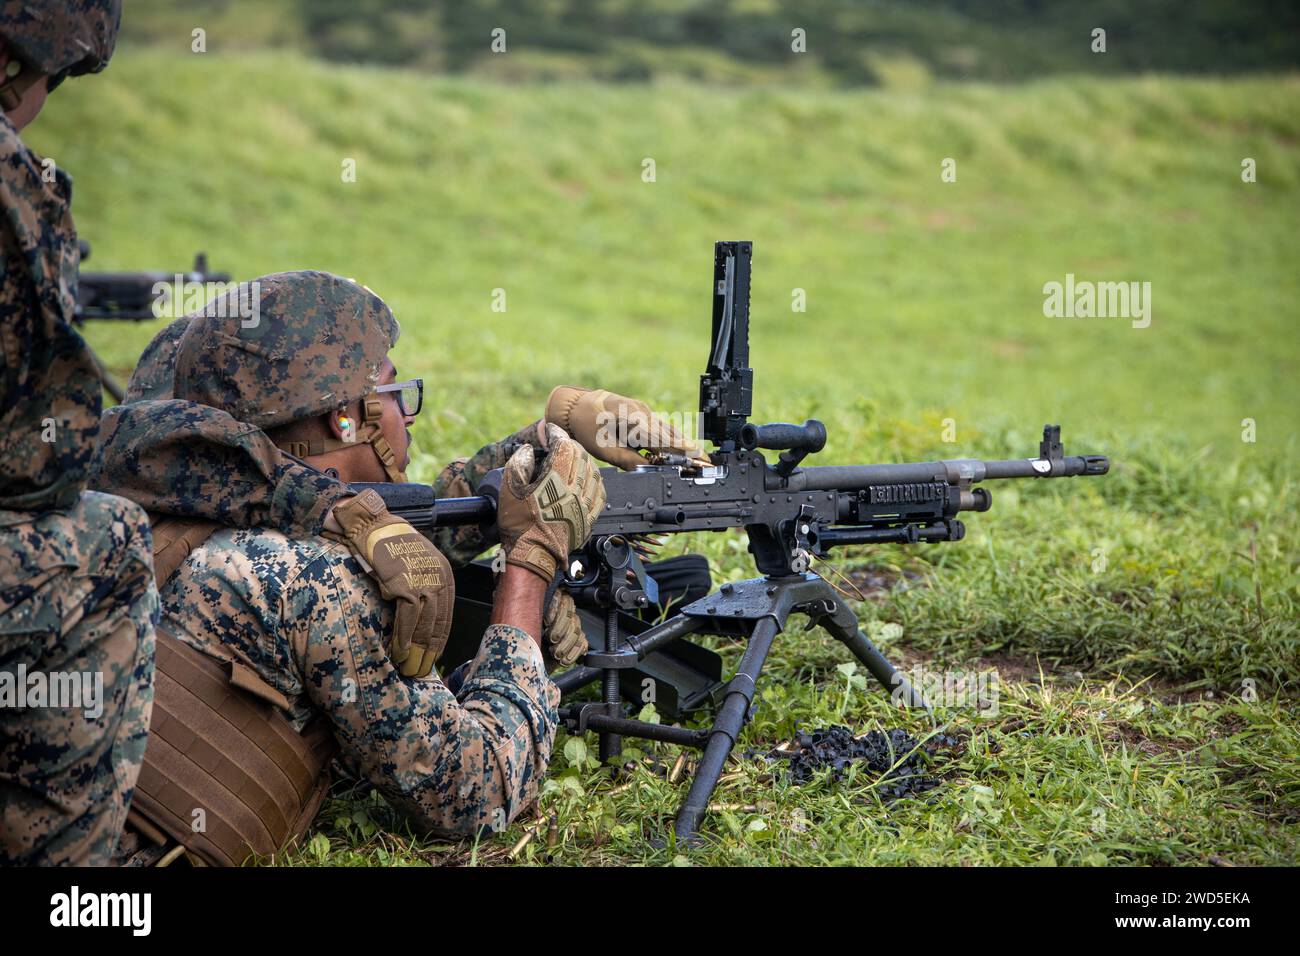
x=756, y=610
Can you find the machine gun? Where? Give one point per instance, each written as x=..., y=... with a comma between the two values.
x=791, y=515
x=131, y=296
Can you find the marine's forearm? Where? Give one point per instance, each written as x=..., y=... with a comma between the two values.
x=474, y=760
x=518, y=601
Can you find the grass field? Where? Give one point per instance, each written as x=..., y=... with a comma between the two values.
x=1144, y=624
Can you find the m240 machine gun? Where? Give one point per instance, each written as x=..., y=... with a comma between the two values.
x=791, y=514
x=133, y=297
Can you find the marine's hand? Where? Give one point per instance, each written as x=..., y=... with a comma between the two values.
x=410, y=571
x=565, y=639
x=615, y=428
x=543, y=518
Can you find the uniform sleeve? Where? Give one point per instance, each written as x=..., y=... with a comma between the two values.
x=195, y=461
x=461, y=479
x=454, y=762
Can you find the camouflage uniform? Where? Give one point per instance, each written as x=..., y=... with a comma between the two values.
x=52, y=392
x=299, y=608
x=76, y=597
x=304, y=614
x=183, y=458
x=76, y=576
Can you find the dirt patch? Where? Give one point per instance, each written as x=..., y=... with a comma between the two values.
x=1016, y=669
x=874, y=583
x=1148, y=745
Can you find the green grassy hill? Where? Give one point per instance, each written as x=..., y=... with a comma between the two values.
x=924, y=303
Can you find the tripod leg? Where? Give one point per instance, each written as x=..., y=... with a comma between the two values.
x=611, y=745
x=843, y=626
x=722, y=738
x=645, y=644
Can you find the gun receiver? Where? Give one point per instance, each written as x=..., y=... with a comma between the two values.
x=790, y=513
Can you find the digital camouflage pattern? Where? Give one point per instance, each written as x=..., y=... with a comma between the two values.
x=181, y=458
x=189, y=460
x=196, y=461
x=54, y=36
x=258, y=594
x=315, y=343
x=153, y=378
x=51, y=390
x=76, y=573
x=192, y=460
x=77, y=597
x=304, y=614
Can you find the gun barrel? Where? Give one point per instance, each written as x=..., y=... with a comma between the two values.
x=851, y=477
x=479, y=509
x=417, y=504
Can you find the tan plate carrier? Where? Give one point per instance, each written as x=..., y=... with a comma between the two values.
x=225, y=774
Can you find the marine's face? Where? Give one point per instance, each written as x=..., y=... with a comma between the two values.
x=394, y=423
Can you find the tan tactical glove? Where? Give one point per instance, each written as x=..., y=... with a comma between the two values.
x=542, y=520
x=565, y=640
x=410, y=571
x=614, y=428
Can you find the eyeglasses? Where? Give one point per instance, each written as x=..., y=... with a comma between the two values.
x=410, y=395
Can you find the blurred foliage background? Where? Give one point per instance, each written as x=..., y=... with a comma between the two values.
x=849, y=42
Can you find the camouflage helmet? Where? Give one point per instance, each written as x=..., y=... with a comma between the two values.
x=285, y=347
x=152, y=378
x=61, y=37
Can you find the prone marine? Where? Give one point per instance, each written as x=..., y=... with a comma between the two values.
x=252, y=417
